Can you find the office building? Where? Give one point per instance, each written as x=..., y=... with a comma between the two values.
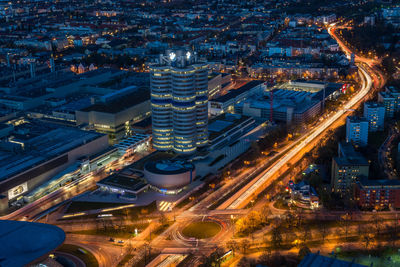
x=294, y=102
x=116, y=112
x=287, y=106
x=36, y=152
x=217, y=82
x=347, y=168
x=179, y=101
x=226, y=103
x=375, y=114
x=357, y=130
x=377, y=194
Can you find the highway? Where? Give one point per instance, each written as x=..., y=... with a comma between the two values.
x=243, y=196
x=171, y=238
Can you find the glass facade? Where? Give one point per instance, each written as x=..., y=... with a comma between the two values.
x=179, y=97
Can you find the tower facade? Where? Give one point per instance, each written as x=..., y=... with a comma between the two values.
x=179, y=99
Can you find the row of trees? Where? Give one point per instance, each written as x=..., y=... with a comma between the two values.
x=253, y=221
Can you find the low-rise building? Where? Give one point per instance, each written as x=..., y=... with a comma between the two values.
x=285, y=106
x=293, y=102
x=42, y=153
x=227, y=128
x=130, y=145
x=377, y=194
x=216, y=82
x=128, y=186
x=303, y=194
x=116, y=116
x=225, y=103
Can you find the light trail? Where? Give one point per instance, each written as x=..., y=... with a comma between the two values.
x=367, y=85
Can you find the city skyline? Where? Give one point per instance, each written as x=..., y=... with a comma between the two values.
x=199, y=133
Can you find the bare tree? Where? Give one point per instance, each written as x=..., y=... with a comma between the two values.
x=377, y=224
x=163, y=219
x=244, y=245
x=367, y=239
x=276, y=238
x=232, y=245
x=306, y=233
x=324, y=231
x=345, y=223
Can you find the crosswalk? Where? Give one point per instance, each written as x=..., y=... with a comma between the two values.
x=165, y=206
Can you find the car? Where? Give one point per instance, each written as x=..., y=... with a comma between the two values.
x=120, y=241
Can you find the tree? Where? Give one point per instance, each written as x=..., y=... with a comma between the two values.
x=244, y=262
x=306, y=233
x=276, y=238
x=265, y=213
x=324, y=231
x=147, y=251
x=377, y=221
x=232, y=245
x=367, y=239
x=392, y=235
x=213, y=259
x=244, y=245
x=303, y=251
x=345, y=223
x=163, y=219
x=265, y=257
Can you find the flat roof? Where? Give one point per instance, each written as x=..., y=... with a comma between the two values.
x=379, y=183
x=356, y=119
x=131, y=183
x=223, y=123
x=143, y=123
x=43, y=147
x=24, y=242
x=168, y=166
x=121, y=103
x=156, y=155
x=316, y=260
x=236, y=92
x=356, y=160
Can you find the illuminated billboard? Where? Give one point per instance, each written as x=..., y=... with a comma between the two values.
x=18, y=190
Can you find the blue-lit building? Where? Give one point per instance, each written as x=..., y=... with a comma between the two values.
x=375, y=114
x=357, y=130
x=179, y=102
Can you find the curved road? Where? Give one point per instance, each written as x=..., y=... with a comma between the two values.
x=368, y=82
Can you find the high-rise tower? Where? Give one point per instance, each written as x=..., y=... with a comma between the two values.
x=179, y=96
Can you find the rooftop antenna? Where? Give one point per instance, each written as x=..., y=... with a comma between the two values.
x=52, y=64
x=8, y=59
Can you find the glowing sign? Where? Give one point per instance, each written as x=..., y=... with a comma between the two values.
x=18, y=190
x=172, y=56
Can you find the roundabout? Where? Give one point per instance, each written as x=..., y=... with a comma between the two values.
x=198, y=232
x=201, y=229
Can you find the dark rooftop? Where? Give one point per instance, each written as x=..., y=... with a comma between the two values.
x=122, y=103
x=129, y=183
x=379, y=183
x=236, y=92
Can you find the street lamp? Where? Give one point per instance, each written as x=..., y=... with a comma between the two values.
x=149, y=220
x=233, y=223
